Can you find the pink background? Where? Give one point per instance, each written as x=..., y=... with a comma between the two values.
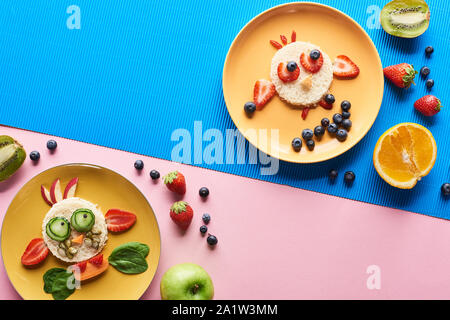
x=275, y=242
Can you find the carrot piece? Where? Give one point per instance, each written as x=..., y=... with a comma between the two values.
x=78, y=240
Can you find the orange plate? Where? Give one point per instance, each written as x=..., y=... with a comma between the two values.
x=249, y=59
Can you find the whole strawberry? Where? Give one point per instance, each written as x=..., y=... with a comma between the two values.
x=175, y=182
x=428, y=105
x=181, y=213
x=402, y=75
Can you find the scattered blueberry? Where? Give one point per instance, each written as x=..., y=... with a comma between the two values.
x=297, y=144
x=329, y=98
x=346, y=105
x=203, y=192
x=35, y=155
x=310, y=144
x=347, y=124
x=291, y=66
x=206, y=218
x=249, y=108
x=319, y=131
x=337, y=118
x=429, y=50
x=445, y=189
x=314, y=54
x=346, y=114
x=332, y=128
x=212, y=240
x=349, y=177
x=307, y=134
x=154, y=174
x=425, y=71
x=51, y=144
x=341, y=135
x=203, y=229
x=325, y=122
x=139, y=164
x=429, y=83
x=333, y=174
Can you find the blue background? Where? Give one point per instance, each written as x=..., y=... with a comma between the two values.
x=137, y=70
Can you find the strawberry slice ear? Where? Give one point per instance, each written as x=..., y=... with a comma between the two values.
x=293, y=36
x=345, y=68
x=119, y=220
x=276, y=44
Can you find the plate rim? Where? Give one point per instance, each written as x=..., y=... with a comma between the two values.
x=79, y=164
x=295, y=4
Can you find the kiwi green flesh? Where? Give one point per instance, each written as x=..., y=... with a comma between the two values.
x=405, y=18
x=12, y=156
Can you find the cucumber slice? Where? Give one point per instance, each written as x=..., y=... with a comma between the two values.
x=82, y=220
x=58, y=229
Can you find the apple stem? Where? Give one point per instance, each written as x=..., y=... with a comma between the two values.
x=195, y=289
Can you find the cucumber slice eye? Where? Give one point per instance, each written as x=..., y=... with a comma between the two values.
x=82, y=220
x=58, y=229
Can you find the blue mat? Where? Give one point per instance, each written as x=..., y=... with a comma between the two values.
x=138, y=70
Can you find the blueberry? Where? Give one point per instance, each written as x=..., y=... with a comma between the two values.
x=333, y=174
x=51, y=144
x=345, y=105
x=319, y=131
x=341, y=135
x=329, y=98
x=332, y=128
x=429, y=83
x=310, y=144
x=212, y=240
x=429, y=50
x=325, y=122
x=349, y=177
x=206, y=218
x=445, y=189
x=346, y=124
x=337, y=118
x=203, y=229
x=314, y=54
x=307, y=134
x=291, y=66
x=203, y=192
x=139, y=164
x=346, y=114
x=297, y=144
x=35, y=155
x=425, y=71
x=250, y=108
x=154, y=174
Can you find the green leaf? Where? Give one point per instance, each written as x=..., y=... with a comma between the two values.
x=50, y=276
x=141, y=247
x=128, y=260
x=60, y=287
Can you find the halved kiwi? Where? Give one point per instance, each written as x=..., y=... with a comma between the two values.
x=12, y=156
x=405, y=18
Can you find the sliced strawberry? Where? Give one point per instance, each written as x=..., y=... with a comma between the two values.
x=35, y=252
x=264, y=90
x=81, y=266
x=293, y=36
x=285, y=75
x=283, y=39
x=345, y=68
x=325, y=104
x=97, y=260
x=305, y=112
x=118, y=220
x=309, y=64
x=276, y=44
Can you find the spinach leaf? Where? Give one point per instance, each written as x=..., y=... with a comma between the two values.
x=60, y=287
x=140, y=247
x=128, y=260
x=49, y=278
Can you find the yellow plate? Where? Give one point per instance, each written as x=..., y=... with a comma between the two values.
x=249, y=59
x=101, y=186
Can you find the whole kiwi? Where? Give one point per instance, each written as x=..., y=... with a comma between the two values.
x=12, y=156
x=405, y=18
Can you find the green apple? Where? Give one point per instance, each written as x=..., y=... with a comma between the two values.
x=186, y=281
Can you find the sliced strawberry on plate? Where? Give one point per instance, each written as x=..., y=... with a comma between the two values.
x=293, y=36
x=35, y=252
x=276, y=44
x=97, y=260
x=285, y=75
x=345, y=68
x=80, y=266
x=325, y=104
x=264, y=91
x=309, y=64
x=283, y=39
x=305, y=112
x=119, y=220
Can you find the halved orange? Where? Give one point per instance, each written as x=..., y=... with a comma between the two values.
x=404, y=154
